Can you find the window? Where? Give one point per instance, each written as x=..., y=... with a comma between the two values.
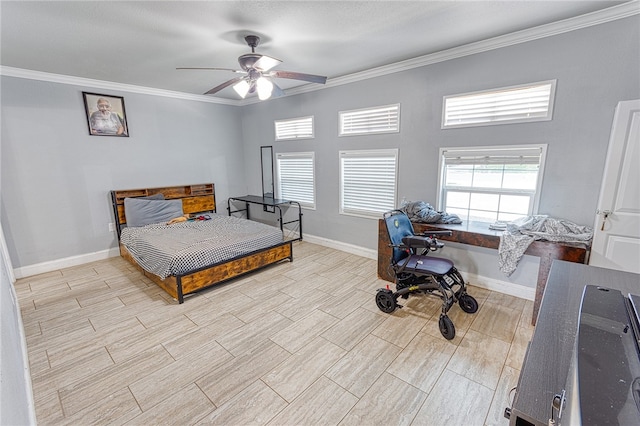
x=384, y=119
x=294, y=128
x=368, y=182
x=491, y=184
x=516, y=104
x=296, y=177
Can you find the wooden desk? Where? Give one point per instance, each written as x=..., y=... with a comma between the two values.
x=478, y=234
x=546, y=364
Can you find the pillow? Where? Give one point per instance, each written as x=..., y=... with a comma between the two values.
x=141, y=211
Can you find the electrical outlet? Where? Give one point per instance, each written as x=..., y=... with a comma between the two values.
x=112, y=227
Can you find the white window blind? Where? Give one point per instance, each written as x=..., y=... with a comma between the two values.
x=491, y=183
x=368, y=181
x=383, y=119
x=294, y=128
x=517, y=104
x=296, y=177
x=516, y=155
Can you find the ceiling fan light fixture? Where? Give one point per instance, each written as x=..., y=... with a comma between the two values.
x=256, y=66
x=265, y=87
x=241, y=88
x=265, y=63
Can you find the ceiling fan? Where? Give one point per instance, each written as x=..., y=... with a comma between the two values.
x=257, y=74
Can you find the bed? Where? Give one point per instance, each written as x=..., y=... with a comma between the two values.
x=195, y=254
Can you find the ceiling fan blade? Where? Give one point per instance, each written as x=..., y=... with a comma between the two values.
x=277, y=91
x=265, y=63
x=215, y=69
x=299, y=76
x=223, y=85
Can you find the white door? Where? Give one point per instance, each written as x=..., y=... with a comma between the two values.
x=616, y=238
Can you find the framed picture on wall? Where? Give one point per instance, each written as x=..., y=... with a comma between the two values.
x=106, y=115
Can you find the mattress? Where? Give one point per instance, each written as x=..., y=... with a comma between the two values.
x=185, y=247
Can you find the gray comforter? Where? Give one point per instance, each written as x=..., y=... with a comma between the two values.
x=419, y=211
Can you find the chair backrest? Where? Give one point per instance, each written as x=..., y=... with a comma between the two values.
x=398, y=227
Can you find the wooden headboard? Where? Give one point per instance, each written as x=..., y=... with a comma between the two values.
x=195, y=199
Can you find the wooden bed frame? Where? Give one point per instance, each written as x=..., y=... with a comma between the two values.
x=196, y=199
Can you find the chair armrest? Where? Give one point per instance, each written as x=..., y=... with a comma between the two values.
x=445, y=233
x=418, y=241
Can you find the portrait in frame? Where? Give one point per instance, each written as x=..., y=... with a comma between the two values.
x=106, y=115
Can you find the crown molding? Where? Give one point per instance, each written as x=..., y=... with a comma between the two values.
x=613, y=13
x=110, y=85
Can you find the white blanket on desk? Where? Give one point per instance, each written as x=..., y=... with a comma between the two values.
x=515, y=240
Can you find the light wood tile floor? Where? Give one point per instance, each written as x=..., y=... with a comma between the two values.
x=299, y=343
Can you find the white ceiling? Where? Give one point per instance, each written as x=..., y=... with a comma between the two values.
x=142, y=42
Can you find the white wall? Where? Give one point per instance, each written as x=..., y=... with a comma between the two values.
x=56, y=178
x=595, y=67
x=16, y=401
x=16, y=398
x=55, y=173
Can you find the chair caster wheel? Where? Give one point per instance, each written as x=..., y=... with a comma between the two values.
x=447, y=328
x=468, y=304
x=385, y=300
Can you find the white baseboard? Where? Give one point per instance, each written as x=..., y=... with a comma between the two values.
x=505, y=287
x=54, y=265
x=338, y=245
x=492, y=284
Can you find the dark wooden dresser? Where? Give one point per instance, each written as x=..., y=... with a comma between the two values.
x=547, y=362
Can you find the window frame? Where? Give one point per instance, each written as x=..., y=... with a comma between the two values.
x=343, y=114
x=366, y=213
x=497, y=92
x=496, y=150
x=291, y=155
x=295, y=136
